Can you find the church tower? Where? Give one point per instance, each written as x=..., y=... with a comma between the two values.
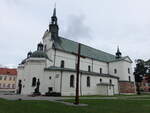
x=118, y=53
x=53, y=27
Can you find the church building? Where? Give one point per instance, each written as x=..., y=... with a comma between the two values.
x=52, y=68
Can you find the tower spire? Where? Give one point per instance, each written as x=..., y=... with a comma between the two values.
x=53, y=27
x=118, y=53
x=54, y=11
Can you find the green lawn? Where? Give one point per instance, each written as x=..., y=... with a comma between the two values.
x=94, y=106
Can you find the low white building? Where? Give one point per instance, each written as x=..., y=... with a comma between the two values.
x=54, y=65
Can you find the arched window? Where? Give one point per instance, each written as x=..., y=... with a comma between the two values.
x=62, y=64
x=100, y=80
x=115, y=71
x=128, y=70
x=89, y=68
x=72, y=81
x=34, y=81
x=110, y=81
x=100, y=70
x=129, y=79
x=88, y=81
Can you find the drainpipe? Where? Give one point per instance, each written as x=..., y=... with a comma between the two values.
x=81, y=84
x=61, y=82
x=54, y=57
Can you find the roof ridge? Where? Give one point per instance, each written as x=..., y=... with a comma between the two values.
x=87, y=46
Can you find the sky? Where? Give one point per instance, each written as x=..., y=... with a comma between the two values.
x=101, y=24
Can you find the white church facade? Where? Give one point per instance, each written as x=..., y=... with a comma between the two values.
x=53, y=68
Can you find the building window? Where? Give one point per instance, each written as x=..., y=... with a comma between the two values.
x=128, y=70
x=72, y=81
x=10, y=78
x=4, y=85
x=115, y=71
x=88, y=81
x=1, y=77
x=14, y=78
x=100, y=70
x=5, y=78
x=100, y=80
x=34, y=81
x=110, y=81
x=129, y=79
x=89, y=68
x=50, y=77
x=8, y=86
x=13, y=86
x=62, y=64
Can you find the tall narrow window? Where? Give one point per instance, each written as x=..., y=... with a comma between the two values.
x=89, y=68
x=1, y=77
x=5, y=77
x=88, y=81
x=115, y=71
x=129, y=79
x=14, y=78
x=10, y=78
x=13, y=86
x=129, y=70
x=33, y=81
x=4, y=85
x=100, y=80
x=8, y=86
x=110, y=81
x=72, y=81
x=100, y=70
x=62, y=64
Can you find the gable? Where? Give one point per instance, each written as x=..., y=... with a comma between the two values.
x=127, y=58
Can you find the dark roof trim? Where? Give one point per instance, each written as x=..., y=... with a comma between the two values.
x=105, y=84
x=81, y=71
x=125, y=81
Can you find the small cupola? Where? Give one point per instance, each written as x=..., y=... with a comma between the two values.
x=40, y=47
x=118, y=53
x=29, y=54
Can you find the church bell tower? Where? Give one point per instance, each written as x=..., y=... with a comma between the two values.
x=53, y=27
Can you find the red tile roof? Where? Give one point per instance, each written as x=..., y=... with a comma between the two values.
x=7, y=71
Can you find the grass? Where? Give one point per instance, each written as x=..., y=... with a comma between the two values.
x=94, y=106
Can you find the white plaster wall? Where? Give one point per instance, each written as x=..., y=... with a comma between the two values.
x=122, y=70
x=97, y=65
x=69, y=59
x=33, y=68
x=84, y=90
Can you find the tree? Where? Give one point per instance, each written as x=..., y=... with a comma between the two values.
x=139, y=72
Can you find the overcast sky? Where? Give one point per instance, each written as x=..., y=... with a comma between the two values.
x=102, y=24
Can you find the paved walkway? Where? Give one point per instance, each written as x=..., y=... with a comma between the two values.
x=60, y=99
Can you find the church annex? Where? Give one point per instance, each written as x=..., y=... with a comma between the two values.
x=52, y=68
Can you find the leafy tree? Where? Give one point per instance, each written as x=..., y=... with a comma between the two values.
x=139, y=72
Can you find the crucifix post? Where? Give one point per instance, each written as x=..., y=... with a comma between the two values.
x=77, y=77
